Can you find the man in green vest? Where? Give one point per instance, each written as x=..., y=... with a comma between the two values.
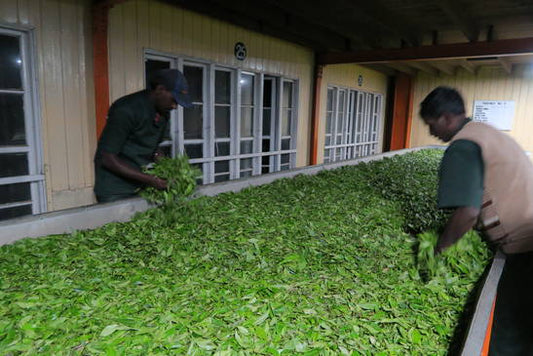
x=135, y=126
x=487, y=179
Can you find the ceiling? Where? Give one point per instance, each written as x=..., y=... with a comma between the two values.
x=344, y=27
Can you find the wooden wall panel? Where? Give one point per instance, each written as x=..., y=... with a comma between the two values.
x=61, y=30
x=490, y=83
x=170, y=29
x=345, y=75
x=71, y=94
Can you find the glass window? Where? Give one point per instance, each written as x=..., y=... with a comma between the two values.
x=222, y=121
x=357, y=124
x=221, y=166
x=195, y=79
x=10, y=62
x=247, y=89
x=247, y=120
x=222, y=87
x=247, y=105
x=13, y=164
x=207, y=132
x=222, y=149
x=19, y=145
x=193, y=122
x=14, y=193
x=247, y=147
x=194, y=150
x=12, y=125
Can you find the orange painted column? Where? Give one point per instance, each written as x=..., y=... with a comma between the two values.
x=402, y=117
x=315, y=119
x=100, y=11
x=100, y=63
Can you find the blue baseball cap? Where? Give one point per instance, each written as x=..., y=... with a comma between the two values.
x=175, y=82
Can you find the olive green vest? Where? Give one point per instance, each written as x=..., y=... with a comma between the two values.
x=506, y=215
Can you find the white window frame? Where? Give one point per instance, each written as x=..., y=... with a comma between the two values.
x=360, y=119
x=208, y=140
x=32, y=122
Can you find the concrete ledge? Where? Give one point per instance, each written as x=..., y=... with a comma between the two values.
x=69, y=220
x=90, y=217
x=237, y=185
x=480, y=321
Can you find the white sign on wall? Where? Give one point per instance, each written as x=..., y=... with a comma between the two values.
x=497, y=113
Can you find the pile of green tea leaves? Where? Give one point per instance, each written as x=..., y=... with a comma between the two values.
x=313, y=265
x=180, y=176
x=466, y=258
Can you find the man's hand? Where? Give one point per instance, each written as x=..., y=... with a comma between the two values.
x=158, y=183
x=461, y=221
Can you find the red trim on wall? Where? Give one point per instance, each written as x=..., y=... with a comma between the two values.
x=403, y=105
x=409, y=115
x=315, y=119
x=488, y=332
x=100, y=63
x=100, y=11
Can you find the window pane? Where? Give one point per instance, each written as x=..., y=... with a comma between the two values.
x=326, y=155
x=194, y=76
x=266, y=146
x=329, y=106
x=341, y=100
x=192, y=122
x=221, y=166
x=10, y=63
x=222, y=149
x=266, y=122
x=194, y=150
x=11, y=213
x=222, y=87
x=246, y=147
x=287, y=94
x=267, y=93
x=12, y=120
x=328, y=140
x=286, y=122
x=222, y=121
x=265, y=164
x=286, y=144
x=246, y=174
x=221, y=178
x=246, y=163
x=329, y=115
x=200, y=167
x=151, y=65
x=247, y=89
x=13, y=193
x=285, y=158
x=247, y=122
x=13, y=164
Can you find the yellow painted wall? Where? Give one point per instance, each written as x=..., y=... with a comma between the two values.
x=63, y=55
x=345, y=75
x=141, y=24
x=490, y=83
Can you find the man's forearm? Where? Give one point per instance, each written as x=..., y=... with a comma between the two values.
x=121, y=168
x=461, y=221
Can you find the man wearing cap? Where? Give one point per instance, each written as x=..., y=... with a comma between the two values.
x=487, y=179
x=135, y=126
